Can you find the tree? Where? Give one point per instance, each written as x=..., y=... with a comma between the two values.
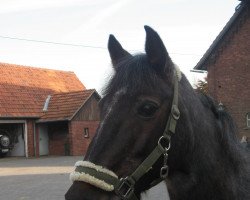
x=202, y=86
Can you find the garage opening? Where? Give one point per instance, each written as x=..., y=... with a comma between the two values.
x=16, y=134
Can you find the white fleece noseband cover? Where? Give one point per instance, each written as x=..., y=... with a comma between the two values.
x=81, y=176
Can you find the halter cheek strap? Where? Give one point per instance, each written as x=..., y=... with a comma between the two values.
x=107, y=180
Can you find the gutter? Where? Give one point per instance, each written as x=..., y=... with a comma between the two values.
x=52, y=120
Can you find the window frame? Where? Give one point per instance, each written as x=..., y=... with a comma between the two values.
x=86, y=132
x=248, y=120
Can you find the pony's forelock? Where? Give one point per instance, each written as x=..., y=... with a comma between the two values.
x=136, y=74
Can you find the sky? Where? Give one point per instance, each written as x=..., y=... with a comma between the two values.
x=72, y=35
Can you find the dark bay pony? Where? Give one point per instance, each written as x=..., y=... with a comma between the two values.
x=203, y=159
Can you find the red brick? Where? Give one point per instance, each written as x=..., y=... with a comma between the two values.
x=78, y=142
x=229, y=76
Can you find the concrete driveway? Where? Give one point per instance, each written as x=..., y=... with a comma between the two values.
x=45, y=178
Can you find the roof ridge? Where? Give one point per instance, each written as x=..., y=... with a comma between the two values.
x=77, y=91
x=33, y=67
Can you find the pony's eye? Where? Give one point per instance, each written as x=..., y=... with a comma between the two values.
x=147, y=109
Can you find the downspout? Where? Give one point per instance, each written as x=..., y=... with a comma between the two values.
x=26, y=139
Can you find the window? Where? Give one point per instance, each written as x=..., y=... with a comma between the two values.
x=86, y=132
x=248, y=120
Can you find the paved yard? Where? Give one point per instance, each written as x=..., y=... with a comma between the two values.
x=46, y=178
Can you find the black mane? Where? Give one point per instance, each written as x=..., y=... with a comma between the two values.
x=225, y=120
x=227, y=136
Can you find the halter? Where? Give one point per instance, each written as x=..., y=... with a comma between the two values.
x=107, y=180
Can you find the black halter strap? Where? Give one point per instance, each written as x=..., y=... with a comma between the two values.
x=124, y=187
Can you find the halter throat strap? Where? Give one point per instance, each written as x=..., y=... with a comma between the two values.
x=125, y=187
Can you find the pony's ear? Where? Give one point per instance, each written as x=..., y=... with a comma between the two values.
x=156, y=51
x=116, y=51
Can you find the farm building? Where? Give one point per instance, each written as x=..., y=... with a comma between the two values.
x=228, y=64
x=46, y=112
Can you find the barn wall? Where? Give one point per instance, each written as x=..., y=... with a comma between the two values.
x=86, y=118
x=78, y=141
x=229, y=76
x=90, y=110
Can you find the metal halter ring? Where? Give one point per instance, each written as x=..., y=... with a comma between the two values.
x=165, y=148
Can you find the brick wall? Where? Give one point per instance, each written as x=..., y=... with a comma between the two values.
x=229, y=77
x=30, y=137
x=37, y=142
x=78, y=142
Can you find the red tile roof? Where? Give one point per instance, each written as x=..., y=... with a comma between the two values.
x=63, y=106
x=23, y=90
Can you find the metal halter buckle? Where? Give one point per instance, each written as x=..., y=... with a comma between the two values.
x=125, y=188
x=175, y=112
x=164, y=172
x=164, y=169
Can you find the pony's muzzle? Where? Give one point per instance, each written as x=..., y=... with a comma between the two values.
x=85, y=191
